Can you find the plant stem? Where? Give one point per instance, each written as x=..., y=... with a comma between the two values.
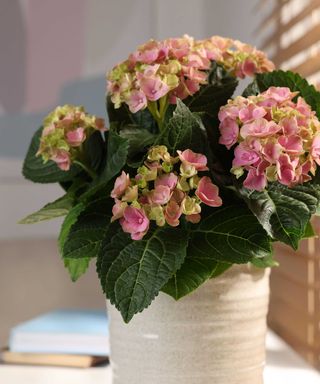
x=86, y=168
x=158, y=113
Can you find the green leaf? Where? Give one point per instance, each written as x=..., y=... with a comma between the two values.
x=77, y=267
x=35, y=170
x=86, y=233
x=117, y=151
x=284, y=212
x=116, y=156
x=216, y=93
x=145, y=120
x=291, y=80
x=57, y=208
x=120, y=114
x=68, y=223
x=139, y=140
x=228, y=235
x=82, y=233
x=231, y=234
x=196, y=269
x=193, y=273
x=265, y=262
x=95, y=149
x=309, y=231
x=133, y=272
x=221, y=268
x=184, y=130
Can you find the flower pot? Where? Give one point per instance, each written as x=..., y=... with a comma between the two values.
x=214, y=335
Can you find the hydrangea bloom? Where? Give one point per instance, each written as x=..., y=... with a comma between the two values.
x=239, y=59
x=164, y=189
x=177, y=67
x=276, y=138
x=64, y=131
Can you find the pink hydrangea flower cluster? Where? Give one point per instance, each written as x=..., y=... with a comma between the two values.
x=177, y=67
x=237, y=58
x=164, y=189
x=64, y=131
x=277, y=139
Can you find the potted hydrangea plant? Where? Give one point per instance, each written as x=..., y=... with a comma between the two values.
x=180, y=199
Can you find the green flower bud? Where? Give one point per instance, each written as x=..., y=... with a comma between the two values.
x=156, y=213
x=190, y=206
x=187, y=170
x=157, y=153
x=271, y=173
x=237, y=171
x=136, y=204
x=167, y=167
x=147, y=173
x=183, y=184
x=194, y=181
x=172, y=81
x=131, y=194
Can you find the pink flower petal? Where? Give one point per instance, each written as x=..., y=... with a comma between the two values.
x=76, y=137
x=229, y=130
x=208, y=192
x=255, y=180
x=169, y=180
x=197, y=160
x=120, y=185
x=135, y=222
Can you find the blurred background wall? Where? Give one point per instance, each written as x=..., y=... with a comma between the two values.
x=55, y=52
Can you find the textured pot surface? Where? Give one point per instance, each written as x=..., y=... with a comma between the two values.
x=216, y=335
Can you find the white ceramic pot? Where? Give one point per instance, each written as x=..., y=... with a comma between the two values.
x=216, y=335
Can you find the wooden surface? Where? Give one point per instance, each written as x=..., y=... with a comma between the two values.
x=294, y=311
x=283, y=367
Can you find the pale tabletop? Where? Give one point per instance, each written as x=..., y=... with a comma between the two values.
x=283, y=367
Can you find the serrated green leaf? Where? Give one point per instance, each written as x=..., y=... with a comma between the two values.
x=86, y=233
x=145, y=120
x=77, y=267
x=139, y=140
x=228, y=235
x=95, y=149
x=251, y=89
x=193, y=273
x=117, y=151
x=82, y=234
x=284, y=212
x=221, y=268
x=231, y=234
x=116, y=157
x=183, y=130
x=309, y=231
x=196, y=269
x=68, y=223
x=133, y=272
x=120, y=114
x=35, y=170
x=57, y=208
